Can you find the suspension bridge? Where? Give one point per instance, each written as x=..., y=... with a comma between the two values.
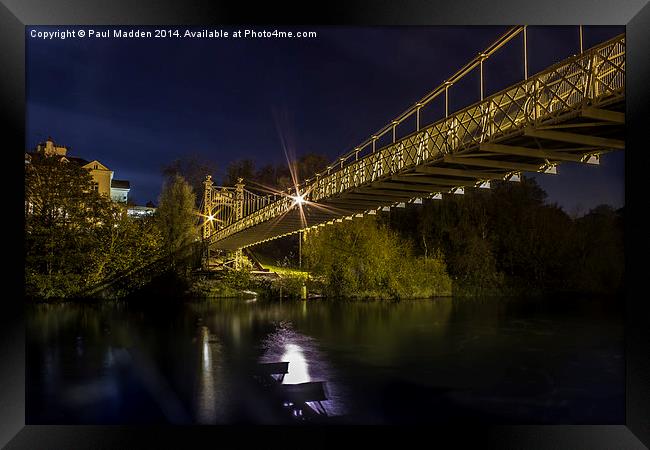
x=572, y=111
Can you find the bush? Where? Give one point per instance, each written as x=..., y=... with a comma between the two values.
x=229, y=284
x=361, y=258
x=53, y=286
x=291, y=285
x=238, y=279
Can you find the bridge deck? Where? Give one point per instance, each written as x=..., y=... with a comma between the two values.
x=571, y=112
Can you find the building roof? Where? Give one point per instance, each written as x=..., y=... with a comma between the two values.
x=74, y=159
x=96, y=166
x=120, y=184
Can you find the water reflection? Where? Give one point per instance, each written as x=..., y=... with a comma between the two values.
x=209, y=376
x=437, y=360
x=306, y=363
x=298, y=370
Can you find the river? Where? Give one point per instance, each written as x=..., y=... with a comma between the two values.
x=446, y=360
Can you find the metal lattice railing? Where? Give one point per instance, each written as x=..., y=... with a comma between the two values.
x=223, y=205
x=594, y=77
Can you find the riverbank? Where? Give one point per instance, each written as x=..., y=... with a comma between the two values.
x=287, y=283
x=292, y=283
x=277, y=283
x=284, y=282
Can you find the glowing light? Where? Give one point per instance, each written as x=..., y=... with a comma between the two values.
x=515, y=177
x=299, y=199
x=298, y=368
x=206, y=355
x=210, y=217
x=207, y=388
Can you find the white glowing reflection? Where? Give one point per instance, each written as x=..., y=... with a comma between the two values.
x=208, y=387
x=207, y=362
x=306, y=364
x=298, y=367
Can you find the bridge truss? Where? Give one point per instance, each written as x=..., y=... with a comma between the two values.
x=572, y=111
x=223, y=205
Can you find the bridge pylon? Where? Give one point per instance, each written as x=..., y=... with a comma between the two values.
x=208, y=225
x=223, y=206
x=239, y=213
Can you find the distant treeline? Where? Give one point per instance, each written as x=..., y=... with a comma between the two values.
x=261, y=180
x=279, y=176
x=510, y=238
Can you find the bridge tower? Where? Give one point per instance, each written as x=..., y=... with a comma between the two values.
x=222, y=206
x=208, y=225
x=239, y=213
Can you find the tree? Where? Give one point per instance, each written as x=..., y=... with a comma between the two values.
x=176, y=217
x=598, y=263
x=74, y=236
x=244, y=168
x=193, y=168
x=310, y=164
x=270, y=176
x=362, y=258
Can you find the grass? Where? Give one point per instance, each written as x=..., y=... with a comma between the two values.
x=286, y=271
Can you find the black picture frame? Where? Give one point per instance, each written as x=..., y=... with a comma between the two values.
x=634, y=14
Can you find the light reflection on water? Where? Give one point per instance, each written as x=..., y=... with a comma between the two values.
x=306, y=363
x=207, y=394
x=298, y=369
x=380, y=362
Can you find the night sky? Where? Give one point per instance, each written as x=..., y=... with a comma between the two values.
x=138, y=104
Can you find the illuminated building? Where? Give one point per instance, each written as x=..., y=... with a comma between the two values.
x=141, y=211
x=104, y=183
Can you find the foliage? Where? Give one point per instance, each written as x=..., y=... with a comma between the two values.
x=193, y=168
x=225, y=287
x=176, y=219
x=598, y=251
x=244, y=168
x=270, y=176
x=362, y=258
x=75, y=237
x=510, y=239
x=238, y=279
x=288, y=285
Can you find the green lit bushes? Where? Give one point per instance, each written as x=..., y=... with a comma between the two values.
x=362, y=258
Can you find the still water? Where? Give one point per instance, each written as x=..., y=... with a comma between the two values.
x=444, y=360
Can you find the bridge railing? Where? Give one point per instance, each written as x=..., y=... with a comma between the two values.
x=594, y=76
x=369, y=145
